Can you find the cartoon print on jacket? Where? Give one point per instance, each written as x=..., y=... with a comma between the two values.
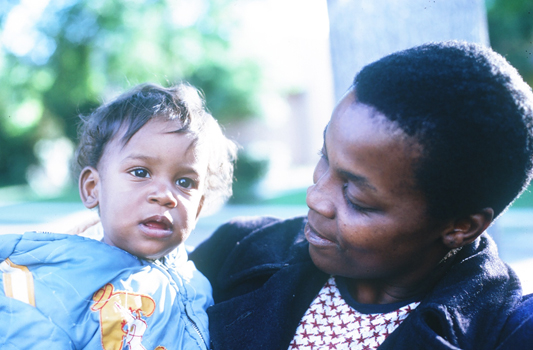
x=121, y=317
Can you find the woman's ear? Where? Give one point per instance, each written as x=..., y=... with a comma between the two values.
x=88, y=186
x=467, y=229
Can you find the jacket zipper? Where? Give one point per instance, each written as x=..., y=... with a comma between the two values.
x=193, y=323
x=196, y=328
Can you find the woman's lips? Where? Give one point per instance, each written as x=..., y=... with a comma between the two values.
x=316, y=239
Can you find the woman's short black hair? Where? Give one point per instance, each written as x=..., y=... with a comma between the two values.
x=472, y=114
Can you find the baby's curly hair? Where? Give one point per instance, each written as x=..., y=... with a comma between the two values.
x=134, y=108
x=470, y=111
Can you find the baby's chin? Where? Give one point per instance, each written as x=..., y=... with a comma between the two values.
x=146, y=254
x=153, y=255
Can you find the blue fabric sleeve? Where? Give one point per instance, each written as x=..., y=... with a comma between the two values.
x=7, y=245
x=22, y=326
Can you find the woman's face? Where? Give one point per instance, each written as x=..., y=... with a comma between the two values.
x=367, y=220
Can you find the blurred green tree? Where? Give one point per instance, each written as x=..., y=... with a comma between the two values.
x=60, y=58
x=511, y=33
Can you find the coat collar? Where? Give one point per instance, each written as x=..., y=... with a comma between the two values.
x=476, y=295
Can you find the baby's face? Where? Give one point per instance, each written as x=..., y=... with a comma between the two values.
x=150, y=191
x=367, y=220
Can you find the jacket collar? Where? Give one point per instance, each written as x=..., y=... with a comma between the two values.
x=474, y=296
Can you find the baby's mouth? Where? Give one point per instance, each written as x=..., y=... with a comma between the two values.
x=157, y=223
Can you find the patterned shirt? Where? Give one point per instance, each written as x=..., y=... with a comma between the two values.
x=334, y=322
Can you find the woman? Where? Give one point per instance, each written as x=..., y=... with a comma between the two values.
x=424, y=151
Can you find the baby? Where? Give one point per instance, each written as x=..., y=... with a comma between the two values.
x=150, y=161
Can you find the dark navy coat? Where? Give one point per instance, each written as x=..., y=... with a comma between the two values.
x=264, y=280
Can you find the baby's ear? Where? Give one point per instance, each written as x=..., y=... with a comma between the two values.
x=465, y=230
x=88, y=186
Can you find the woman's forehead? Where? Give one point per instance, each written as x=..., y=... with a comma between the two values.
x=364, y=143
x=357, y=117
x=357, y=121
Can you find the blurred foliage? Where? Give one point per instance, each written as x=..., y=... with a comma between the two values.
x=511, y=33
x=247, y=171
x=66, y=57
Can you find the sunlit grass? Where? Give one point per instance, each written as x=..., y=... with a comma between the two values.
x=296, y=197
x=24, y=194
x=525, y=200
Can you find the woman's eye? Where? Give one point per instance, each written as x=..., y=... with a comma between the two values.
x=353, y=205
x=185, y=182
x=140, y=173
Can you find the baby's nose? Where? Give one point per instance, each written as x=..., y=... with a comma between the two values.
x=164, y=196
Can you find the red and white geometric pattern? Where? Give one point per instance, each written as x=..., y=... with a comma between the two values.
x=330, y=323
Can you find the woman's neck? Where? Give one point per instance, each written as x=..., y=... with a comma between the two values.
x=383, y=291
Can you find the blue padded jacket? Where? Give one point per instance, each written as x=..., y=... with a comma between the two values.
x=69, y=292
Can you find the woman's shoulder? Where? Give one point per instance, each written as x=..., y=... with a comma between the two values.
x=240, y=228
x=246, y=234
x=518, y=329
x=244, y=225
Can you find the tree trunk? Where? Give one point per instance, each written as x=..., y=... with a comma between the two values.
x=362, y=31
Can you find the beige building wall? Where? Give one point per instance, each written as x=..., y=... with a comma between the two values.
x=306, y=75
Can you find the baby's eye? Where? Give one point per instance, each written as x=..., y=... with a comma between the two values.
x=140, y=173
x=185, y=182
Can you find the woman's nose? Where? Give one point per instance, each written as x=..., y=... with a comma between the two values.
x=320, y=196
x=163, y=195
